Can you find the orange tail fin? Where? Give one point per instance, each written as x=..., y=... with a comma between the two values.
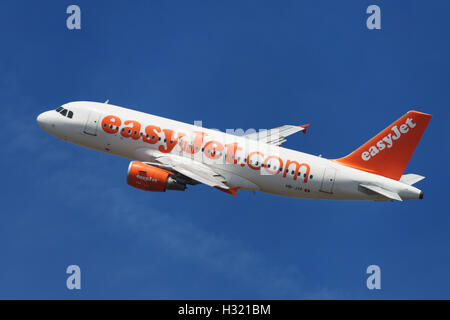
x=389, y=152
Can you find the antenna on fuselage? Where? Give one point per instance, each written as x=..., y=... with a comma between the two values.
x=107, y=100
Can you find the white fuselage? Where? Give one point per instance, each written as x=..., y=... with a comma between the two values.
x=247, y=164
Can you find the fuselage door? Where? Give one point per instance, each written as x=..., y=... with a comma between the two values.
x=92, y=123
x=329, y=176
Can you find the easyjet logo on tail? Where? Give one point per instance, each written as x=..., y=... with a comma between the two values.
x=388, y=153
x=388, y=140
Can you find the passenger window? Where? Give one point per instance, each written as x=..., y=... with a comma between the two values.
x=64, y=112
x=70, y=114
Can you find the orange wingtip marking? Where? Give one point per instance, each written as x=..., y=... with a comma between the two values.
x=232, y=191
x=304, y=126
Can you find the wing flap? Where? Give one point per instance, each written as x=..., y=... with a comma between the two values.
x=194, y=170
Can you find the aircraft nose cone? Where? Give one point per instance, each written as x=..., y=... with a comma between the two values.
x=40, y=120
x=43, y=120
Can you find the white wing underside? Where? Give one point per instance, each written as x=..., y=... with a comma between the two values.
x=194, y=170
x=188, y=167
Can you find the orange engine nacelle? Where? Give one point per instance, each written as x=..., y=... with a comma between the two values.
x=149, y=178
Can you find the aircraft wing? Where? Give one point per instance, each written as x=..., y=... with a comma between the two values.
x=193, y=170
x=276, y=136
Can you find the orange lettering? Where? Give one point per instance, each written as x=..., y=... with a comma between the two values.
x=273, y=171
x=151, y=134
x=248, y=159
x=297, y=169
x=195, y=147
x=212, y=149
x=133, y=132
x=231, y=152
x=111, y=123
x=170, y=140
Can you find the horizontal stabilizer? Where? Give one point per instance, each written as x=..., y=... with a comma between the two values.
x=385, y=193
x=411, y=178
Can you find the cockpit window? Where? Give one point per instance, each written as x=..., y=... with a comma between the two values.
x=65, y=112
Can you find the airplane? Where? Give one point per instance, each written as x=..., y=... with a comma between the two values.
x=171, y=155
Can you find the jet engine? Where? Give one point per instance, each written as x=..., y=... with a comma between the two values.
x=149, y=178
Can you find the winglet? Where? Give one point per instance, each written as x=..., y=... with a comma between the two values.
x=232, y=191
x=305, y=126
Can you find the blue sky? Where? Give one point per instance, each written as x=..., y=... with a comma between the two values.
x=231, y=64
